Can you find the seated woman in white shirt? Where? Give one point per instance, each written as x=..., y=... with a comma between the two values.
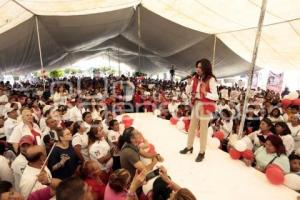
x=282, y=130
x=99, y=149
x=80, y=141
x=273, y=152
x=94, y=109
x=60, y=96
x=257, y=138
x=275, y=116
x=113, y=137
x=294, y=126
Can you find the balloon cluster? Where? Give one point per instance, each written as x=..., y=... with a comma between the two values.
x=273, y=172
x=182, y=123
x=291, y=99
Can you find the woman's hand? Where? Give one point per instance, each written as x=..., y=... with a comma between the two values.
x=138, y=180
x=43, y=178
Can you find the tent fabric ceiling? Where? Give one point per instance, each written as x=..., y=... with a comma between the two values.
x=172, y=32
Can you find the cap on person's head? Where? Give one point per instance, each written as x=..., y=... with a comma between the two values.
x=10, y=109
x=27, y=139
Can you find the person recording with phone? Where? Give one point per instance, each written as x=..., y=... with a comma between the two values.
x=202, y=88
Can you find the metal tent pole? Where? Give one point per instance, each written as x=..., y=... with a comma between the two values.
x=40, y=49
x=252, y=66
x=214, y=51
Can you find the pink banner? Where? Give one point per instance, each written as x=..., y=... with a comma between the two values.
x=275, y=82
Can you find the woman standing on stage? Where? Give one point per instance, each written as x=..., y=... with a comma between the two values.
x=202, y=88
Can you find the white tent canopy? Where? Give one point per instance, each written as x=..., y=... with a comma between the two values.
x=233, y=22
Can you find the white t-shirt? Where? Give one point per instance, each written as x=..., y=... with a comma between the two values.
x=6, y=173
x=43, y=124
x=82, y=140
x=295, y=132
x=74, y=114
x=224, y=94
x=173, y=109
x=113, y=136
x=21, y=130
x=18, y=167
x=3, y=99
x=289, y=143
x=9, y=126
x=28, y=179
x=98, y=150
x=227, y=127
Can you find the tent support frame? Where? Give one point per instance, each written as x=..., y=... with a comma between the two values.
x=252, y=65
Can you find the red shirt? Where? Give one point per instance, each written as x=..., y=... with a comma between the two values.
x=97, y=188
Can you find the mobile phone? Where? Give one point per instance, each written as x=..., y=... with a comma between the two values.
x=152, y=174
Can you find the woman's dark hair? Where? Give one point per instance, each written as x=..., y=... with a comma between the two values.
x=268, y=122
x=5, y=186
x=206, y=69
x=111, y=124
x=118, y=180
x=126, y=137
x=227, y=114
x=76, y=127
x=276, y=141
x=184, y=194
x=84, y=115
x=272, y=113
x=294, y=156
x=60, y=133
x=160, y=190
x=286, y=129
x=92, y=134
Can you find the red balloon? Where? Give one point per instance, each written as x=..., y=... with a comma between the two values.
x=127, y=122
x=296, y=102
x=275, y=174
x=248, y=154
x=219, y=135
x=173, y=120
x=235, y=154
x=286, y=102
x=186, y=122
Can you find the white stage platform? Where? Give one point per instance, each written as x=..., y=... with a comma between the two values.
x=218, y=177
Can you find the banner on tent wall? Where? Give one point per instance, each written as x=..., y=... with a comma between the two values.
x=275, y=82
x=254, y=80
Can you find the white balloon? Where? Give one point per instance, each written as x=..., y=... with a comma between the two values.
x=292, y=95
x=156, y=112
x=233, y=139
x=240, y=145
x=292, y=181
x=180, y=125
x=214, y=143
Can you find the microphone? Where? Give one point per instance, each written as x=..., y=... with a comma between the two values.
x=189, y=76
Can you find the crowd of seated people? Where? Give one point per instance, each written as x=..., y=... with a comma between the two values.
x=73, y=124
x=65, y=142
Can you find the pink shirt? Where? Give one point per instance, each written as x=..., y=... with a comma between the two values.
x=112, y=195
